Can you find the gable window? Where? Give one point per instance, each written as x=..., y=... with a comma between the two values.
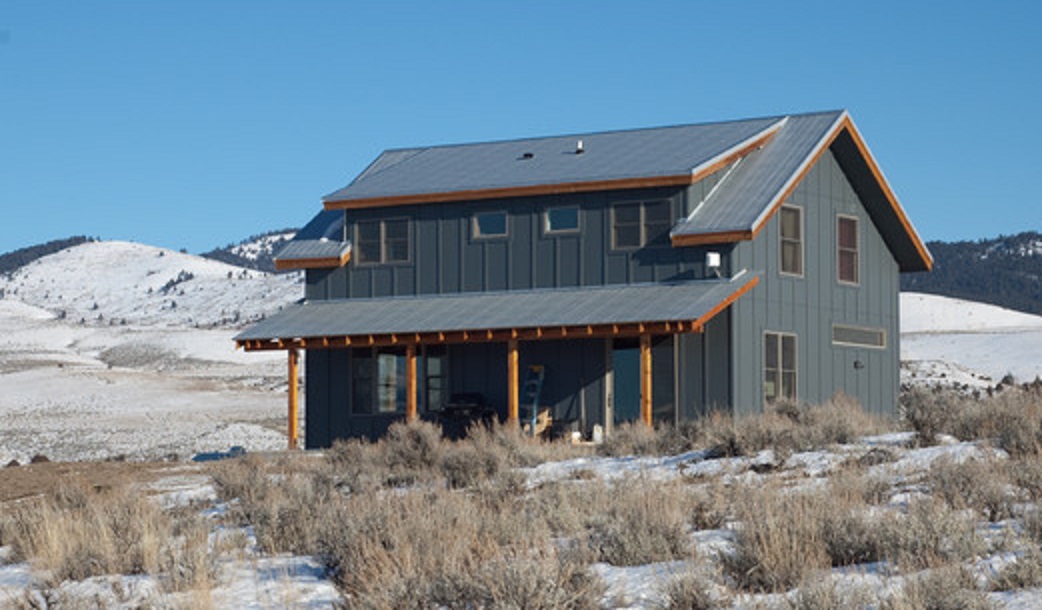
x=791, y=240
x=561, y=220
x=847, y=249
x=638, y=224
x=382, y=241
x=779, y=367
x=490, y=224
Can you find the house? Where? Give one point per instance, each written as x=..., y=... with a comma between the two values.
x=650, y=274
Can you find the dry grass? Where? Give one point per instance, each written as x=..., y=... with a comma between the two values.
x=979, y=485
x=1009, y=416
x=643, y=522
x=77, y=533
x=780, y=540
x=947, y=588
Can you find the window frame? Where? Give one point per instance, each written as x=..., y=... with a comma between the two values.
x=780, y=370
x=549, y=230
x=873, y=329
x=856, y=250
x=384, y=259
x=375, y=388
x=782, y=240
x=475, y=225
x=642, y=223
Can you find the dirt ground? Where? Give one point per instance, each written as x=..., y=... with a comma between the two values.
x=20, y=482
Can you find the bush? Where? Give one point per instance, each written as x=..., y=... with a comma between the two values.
x=634, y=438
x=779, y=542
x=950, y=588
x=1025, y=572
x=979, y=485
x=644, y=522
x=692, y=590
x=929, y=535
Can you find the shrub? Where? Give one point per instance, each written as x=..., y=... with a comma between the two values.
x=1024, y=572
x=926, y=411
x=949, y=588
x=413, y=450
x=692, y=590
x=979, y=485
x=634, y=438
x=930, y=534
x=644, y=522
x=779, y=541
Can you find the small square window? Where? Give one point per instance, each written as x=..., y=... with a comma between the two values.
x=490, y=224
x=562, y=220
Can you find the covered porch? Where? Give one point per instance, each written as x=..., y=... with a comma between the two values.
x=363, y=343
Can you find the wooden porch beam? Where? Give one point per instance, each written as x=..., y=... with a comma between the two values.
x=294, y=429
x=645, y=379
x=513, y=384
x=410, y=383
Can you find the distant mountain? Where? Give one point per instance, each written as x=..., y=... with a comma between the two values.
x=1005, y=271
x=255, y=252
x=23, y=256
x=115, y=283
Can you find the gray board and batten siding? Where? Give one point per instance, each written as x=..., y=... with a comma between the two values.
x=808, y=306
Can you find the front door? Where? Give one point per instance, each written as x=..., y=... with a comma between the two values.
x=625, y=367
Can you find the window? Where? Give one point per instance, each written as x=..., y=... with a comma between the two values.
x=490, y=224
x=779, y=367
x=561, y=220
x=847, y=249
x=858, y=336
x=378, y=381
x=641, y=223
x=436, y=379
x=791, y=240
x=382, y=241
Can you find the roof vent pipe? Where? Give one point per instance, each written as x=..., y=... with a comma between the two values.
x=579, y=148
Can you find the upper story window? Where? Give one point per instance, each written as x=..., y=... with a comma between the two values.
x=561, y=220
x=382, y=241
x=641, y=223
x=490, y=224
x=791, y=233
x=847, y=239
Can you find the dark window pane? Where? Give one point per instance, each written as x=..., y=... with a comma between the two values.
x=770, y=351
x=847, y=233
x=790, y=223
x=657, y=212
x=627, y=213
x=369, y=231
x=562, y=219
x=361, y=382
x=853, y=335
x=792, y=257
x=788, y=359
x=397, y=250
x=656, y=234
x=627, y=236
x=848, y=266
x=396, y=229
x=770, y=386
x=367, y=248
x=490, y=224
x=788, y=386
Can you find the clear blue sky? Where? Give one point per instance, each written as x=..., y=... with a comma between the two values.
x=194, y=124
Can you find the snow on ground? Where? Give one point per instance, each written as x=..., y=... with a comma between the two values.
x=951, y=341
x=263, y=246
x=76, y=392
x=115, y=282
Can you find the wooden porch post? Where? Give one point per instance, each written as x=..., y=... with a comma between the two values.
x=294, y=430
x=513, y=391
x=645, y=379
x=410, y=382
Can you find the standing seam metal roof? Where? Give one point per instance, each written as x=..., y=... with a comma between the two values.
x=619, y=304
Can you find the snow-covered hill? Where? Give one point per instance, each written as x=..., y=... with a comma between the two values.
x=945, y=340
x=116, y=283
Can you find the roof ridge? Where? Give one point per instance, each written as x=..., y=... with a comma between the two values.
x=774, y=117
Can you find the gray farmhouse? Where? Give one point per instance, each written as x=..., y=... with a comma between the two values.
x=649, y=274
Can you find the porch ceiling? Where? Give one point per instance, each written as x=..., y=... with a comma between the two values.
x=631, y=309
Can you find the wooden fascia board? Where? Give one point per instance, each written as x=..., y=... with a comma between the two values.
x=329, y=262
x=891, y=198
x=699, y=239
x=686, y=179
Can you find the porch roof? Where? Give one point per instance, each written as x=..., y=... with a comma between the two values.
x=629, y=309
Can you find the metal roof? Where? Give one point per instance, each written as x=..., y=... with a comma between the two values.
x=309, y=249
x=748, y=190
x=606, y=156
x=614, y=304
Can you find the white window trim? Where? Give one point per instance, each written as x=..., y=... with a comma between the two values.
x=873, y=329
x=781, y=242
x=763, y=364
x=546, y=220
x=475, y=228
x=383, y=242
x=857, y=250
